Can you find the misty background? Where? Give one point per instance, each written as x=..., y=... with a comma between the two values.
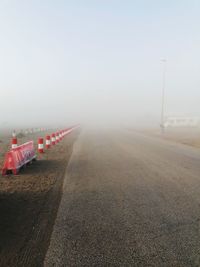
x=64, y=62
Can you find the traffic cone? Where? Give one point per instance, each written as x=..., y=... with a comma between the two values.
x=53, y=139
x=57, y=137
x=40, y=145
x=14, y=142
x=48, y=141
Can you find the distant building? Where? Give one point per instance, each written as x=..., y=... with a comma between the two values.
x=181, y=121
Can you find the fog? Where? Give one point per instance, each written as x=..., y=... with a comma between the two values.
x=97, y=62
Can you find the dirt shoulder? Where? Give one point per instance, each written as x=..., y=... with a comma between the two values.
x=185, y=136
x=29, y=203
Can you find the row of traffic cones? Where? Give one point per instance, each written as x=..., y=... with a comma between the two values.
x=50, y=140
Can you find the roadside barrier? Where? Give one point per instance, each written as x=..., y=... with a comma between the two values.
x=57, y=138
x=14, y=142
x=18, y=157
x=60, y=136
x=48, y=141
x=53, y=139
x=40, y=145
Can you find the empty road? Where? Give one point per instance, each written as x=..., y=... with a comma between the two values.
x=128, y=200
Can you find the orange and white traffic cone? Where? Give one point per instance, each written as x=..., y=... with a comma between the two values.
x=48, y=141
x=57, y=138
x=40, y=145
x=53, y=139
x=14, y=142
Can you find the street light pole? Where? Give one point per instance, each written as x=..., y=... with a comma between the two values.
x=162, y=119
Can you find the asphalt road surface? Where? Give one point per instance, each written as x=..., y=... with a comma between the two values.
x=128, y=200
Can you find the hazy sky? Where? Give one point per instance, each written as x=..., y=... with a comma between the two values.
x=64, y=61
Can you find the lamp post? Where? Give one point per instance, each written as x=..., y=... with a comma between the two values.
x=162, y=118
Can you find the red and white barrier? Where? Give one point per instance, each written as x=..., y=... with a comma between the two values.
x=57, y=138
x=14, y=142
x=53, y=139
x=48, y=141
x=40, y=145
x=18, y=157
x=60, y=136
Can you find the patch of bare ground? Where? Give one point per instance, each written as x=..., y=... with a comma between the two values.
x=187, y=136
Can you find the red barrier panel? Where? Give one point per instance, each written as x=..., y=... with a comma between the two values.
x=18, y=157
